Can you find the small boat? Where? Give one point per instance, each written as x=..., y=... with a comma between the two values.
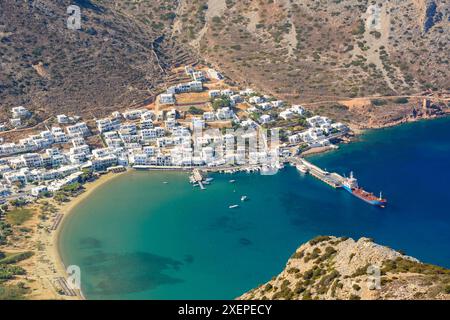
x=302, y=168
x=234, y=206
x=209, y=179
x=165, y=182
x=232, y=181
x=195, y=185
x=243, y=198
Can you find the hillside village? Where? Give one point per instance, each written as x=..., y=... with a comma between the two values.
x=160, y=136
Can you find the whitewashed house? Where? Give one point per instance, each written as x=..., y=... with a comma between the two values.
x=224, y=113
x=256, y=100
x=286, y=115
x=20, y=112
x=214, y=93
x=278, y=103
x=15, y=122
x=209, y=116
x=265, y=118
x=132, y=114
x=167, y=98
x=297, y=109
x=80, y=128
x=62, y=119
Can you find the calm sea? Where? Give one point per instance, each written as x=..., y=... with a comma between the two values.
x=140, y=238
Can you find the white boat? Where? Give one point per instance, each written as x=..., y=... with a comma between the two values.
x=232, y=181
x=243, y=198
x=209, y=179
x=302, y=168
x=165, y=182
x=234, y=206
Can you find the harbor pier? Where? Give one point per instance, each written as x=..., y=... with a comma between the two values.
x=332, y=179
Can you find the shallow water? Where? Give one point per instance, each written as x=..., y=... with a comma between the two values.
x=137, y=238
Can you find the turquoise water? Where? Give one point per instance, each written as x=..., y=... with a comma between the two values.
x=138, y=238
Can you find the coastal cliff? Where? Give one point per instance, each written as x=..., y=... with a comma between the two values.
x=332, y=268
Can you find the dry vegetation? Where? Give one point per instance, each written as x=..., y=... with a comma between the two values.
x=338, y=268
x=113, y=62
x=304, y=50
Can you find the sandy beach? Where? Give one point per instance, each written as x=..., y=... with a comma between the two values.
x=46, y=264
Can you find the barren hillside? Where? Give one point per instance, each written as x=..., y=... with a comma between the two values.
x=305, y=51
x=112, y=62
x=323, y=50
x=341, y=48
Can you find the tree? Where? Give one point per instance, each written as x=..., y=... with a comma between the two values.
x=221, y=102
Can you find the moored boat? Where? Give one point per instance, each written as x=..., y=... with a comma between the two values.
x=302, y=168
x=351, y=185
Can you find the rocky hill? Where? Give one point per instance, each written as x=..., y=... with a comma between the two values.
x=325, y=51
x=342, y=268
x=320, y=52
x=118, y=58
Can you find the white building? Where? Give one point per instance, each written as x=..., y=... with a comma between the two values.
x=15, y=122
x=209, y=116
x=37, y=191
x=80, y=128
x=294, y=139
x=265, y=106
x=62, y=119
x=227, y=92
x=107, y=124
x=297, y=109
x=193, y=86
x=286, y=115
x=146, y=124
x=256, y=100
x=198, y=124
x=132, y=114
x=213, y=74
x=278, y=103
x=189, y=70
x=198, y=76
x=265, y=118
x=224, y=113
x=317, y=121
x=20, y=112
x=214, y=93
x=167, y=98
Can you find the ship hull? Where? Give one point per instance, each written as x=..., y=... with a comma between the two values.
x=377, y=203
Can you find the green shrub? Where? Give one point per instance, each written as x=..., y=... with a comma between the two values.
x=401, y=100
x=14, y=258
x=356, y=287
x=378, y=102
x=319, y=239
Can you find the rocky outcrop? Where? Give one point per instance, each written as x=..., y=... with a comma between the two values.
x=341, y=268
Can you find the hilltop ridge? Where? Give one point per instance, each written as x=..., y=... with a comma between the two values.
x=331, y=268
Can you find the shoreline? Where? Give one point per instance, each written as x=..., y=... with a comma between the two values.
x=54, y=252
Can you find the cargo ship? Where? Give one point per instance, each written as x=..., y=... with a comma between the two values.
x=351, y=185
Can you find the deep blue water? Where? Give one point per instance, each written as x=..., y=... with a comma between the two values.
x=137, y=238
